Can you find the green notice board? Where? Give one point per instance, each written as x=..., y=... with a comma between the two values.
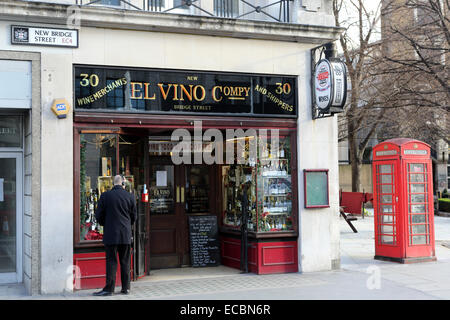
x=316, y=188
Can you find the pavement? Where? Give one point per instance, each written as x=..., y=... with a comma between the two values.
x=359, y=278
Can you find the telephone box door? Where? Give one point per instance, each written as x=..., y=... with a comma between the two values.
x=387, y=209
x=419, y=218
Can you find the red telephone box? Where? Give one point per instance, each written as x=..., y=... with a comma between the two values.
x=403, y=201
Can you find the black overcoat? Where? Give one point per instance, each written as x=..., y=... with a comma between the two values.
x=116, y=212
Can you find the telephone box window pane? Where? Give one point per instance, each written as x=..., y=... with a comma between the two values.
x=386, y=199
x=385, y=168
x=386, y=178
x=419, y=239
x=418, y=218
x=387, y=229
x=386, y=189
x=387, y=239
x=417, y=198
x=417, y=208
x=388, y=218
x=386, y=209
x=418, y=229
x=417, y=188
x=416, y=167
x=417, y=177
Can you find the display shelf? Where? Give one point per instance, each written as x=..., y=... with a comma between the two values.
x=274, y=191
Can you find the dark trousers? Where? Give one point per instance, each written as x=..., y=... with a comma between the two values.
x=111, y=266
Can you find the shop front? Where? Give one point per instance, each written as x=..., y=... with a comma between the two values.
x=190, y=143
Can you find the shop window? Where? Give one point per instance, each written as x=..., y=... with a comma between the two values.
x=11, y=132
x=265, y=182
x=97, y=169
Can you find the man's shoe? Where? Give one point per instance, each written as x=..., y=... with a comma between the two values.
x=102, y=293
x=124, y=291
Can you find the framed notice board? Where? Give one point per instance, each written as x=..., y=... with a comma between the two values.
x=316, y=188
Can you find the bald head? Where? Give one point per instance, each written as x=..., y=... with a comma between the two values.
x=118, y=180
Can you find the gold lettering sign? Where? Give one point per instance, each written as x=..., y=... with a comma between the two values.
x=165, y=91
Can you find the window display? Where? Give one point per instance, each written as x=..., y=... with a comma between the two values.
x=269, y=189
x=234, y=179
x=274, y=187
x=97, y=168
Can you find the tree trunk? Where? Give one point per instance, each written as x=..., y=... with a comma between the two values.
x=355, y=160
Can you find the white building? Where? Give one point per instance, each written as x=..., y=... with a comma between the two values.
x=118, y=68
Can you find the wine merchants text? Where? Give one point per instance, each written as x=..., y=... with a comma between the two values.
x=227, y=309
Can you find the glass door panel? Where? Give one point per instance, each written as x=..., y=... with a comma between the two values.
x=197, y=189
x=161, y=190
x=10, y=218
x=8, y=215
x=385, y=184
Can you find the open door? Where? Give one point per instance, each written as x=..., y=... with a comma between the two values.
x=140, y=237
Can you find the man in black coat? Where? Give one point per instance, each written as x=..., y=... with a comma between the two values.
x=116, y=212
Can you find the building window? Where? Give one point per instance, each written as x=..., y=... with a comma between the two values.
x=156, y=5
x=111, y=2
x=180, y=4
x=226, y=8
x=11, y=132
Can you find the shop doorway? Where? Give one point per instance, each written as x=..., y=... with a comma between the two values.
x=11, y=194
x=175, y=193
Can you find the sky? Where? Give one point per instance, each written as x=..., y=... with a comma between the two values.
x=349, y=18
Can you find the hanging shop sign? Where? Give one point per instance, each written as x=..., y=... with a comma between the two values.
x=162, y=91
x=42, y=36
x=330, y=85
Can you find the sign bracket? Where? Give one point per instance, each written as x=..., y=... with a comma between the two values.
x=317, y=54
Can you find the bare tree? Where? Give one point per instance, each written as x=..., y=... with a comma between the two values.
x=416, y=50
x=363, y=116
x=400, y=83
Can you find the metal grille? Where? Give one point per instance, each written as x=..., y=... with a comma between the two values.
x=271, y=10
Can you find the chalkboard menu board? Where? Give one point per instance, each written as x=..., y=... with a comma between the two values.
x=204, y=241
